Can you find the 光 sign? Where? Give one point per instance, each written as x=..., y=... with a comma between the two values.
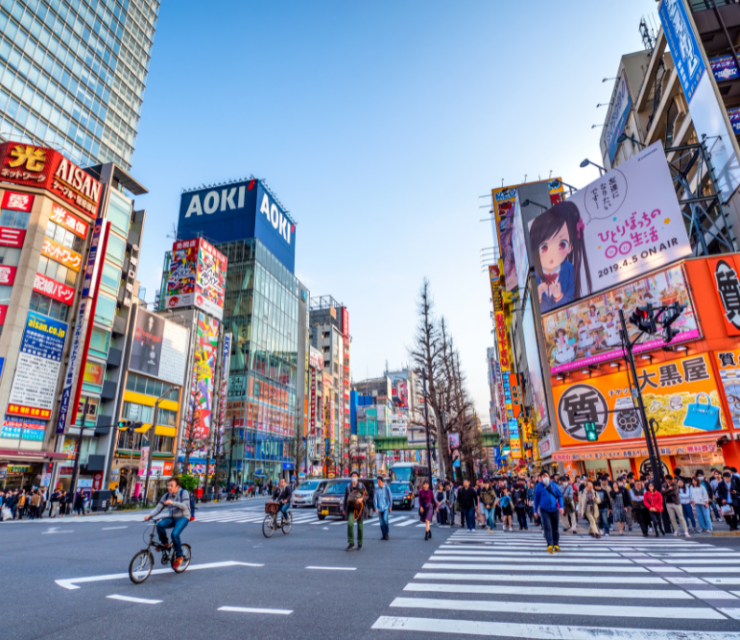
x=236, y=212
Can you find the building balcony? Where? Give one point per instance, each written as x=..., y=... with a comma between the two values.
x=119, y=325
x=109, y=390
x=114, y=358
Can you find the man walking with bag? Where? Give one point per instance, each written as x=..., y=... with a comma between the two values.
x=383, y=506
x=354, y=506
x=548, y=504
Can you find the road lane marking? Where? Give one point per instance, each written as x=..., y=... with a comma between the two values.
x=279, y=612
x=445, y=556
x=56, y=530
x=407, y=523
x=550, y=608
x=112, y=528
x=724, y=569
x=540, y=631
x=516, y=567
x=132, y=599
x=332, y=568
x=557, y=592
x=71, y=583
x=528, y=577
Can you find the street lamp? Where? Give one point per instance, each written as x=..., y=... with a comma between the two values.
x=624, y=137
x=587, y=162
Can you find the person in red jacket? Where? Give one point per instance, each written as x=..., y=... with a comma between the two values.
x=653, y=502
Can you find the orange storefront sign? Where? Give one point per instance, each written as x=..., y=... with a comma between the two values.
x=682, y=395
x=61, y=254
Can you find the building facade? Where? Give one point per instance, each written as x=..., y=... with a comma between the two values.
x=73, y=75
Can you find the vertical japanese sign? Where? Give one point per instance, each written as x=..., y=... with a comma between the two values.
x=619, y=111
x=204, y=370
x=225, y=370
x=724, y=272
x=86, y=310
x=728, y=363
x=37, y=372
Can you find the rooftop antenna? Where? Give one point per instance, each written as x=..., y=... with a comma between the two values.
x=647, y=39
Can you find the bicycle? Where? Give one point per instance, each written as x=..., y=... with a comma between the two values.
x=142, y=563
x=276, y=520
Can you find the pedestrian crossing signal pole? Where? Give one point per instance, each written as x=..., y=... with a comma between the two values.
x=645, y=321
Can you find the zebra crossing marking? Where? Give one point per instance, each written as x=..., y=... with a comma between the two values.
x=578, y=592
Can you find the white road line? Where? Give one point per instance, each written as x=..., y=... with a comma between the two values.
x=336, y=524
x=279, y=612
x=392, y=520
x=332, y=568
x=71, y=583
x=724, y=569
x=458, y=558
x=700, y=561
x=721, y=581
x=700, y=554
x=407, y=523
x=540, y=631
x=556, y=592
x=318, y=522
x=112, y=528
x=713, y=594
x=528, y=577
x=537, y=567
x=550, y=608
x=487, y=551
x=132, y=599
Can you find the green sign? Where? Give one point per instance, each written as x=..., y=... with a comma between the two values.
x=591, y=434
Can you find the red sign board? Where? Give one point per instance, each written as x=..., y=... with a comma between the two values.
x=31, y=412
x=345, y=322
x=3, y=313
x=724, y=272
x=17, y=201
x=46, y=168
x=53, y=289
x=68, y=221
x=12, y=237
x=7, y=274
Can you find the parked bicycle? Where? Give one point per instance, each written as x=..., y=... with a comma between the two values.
x=142, y=563
x=276, y=520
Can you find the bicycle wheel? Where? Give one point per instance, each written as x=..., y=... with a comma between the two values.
x=268, y=526
x=186, y=552
x=141, y=566
x=287, y=523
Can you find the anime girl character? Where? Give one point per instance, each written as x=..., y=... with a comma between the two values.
x=558, y=246
x=585, y=341
x=612, y=332
x=564, y=350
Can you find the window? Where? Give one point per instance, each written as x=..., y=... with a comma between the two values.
x=5, y=294
x=92, y=410
x=105, y=310
x=10, y=256
x=116, y=249
x=119, y=212
x=99, y=340
x=48, y=307
x=57, y=271
x=110, y=278
x=15, y=219
x=63, y=236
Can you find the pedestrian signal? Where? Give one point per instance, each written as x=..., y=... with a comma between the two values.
x=591, y=433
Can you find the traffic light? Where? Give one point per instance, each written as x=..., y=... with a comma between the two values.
x=670, y=315
x=124, y=425
x=591, y=433
x=644, y=319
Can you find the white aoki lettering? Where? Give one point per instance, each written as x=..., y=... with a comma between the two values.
x=242, y=194
x=274, y=216
x=227, y=197
x=210, y=202
x=283, y=226
x=265, y=206
x=194, y=207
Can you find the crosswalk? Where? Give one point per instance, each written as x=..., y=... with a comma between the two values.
x=506, y=585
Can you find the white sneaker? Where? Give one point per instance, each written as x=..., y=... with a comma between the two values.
x=675, y=533
x=687, y=534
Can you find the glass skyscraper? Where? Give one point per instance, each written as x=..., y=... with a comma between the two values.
x=72, y=75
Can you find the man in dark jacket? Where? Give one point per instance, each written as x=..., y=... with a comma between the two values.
x=728, y=494
x=548, y=504
x=354, y=510
x=468, y=499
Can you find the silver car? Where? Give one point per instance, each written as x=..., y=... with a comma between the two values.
x=308, y=492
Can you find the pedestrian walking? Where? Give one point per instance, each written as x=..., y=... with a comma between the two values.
x=383, y=500
x=672, y=503
x=521, y=505
x=507, y=509
x=468, y=499
x=684, y=496
x=605, y=507
x=653, y=500
x=426, y=508
x=728, y=492
x=570, y=517
x=355, y=496
x=488, y=505
x=548, y=504
x=588, y=507
x=440, y=500
x=700, y=500
x=639, y=511
x=619, y=514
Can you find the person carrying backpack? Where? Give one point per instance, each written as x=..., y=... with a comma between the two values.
x=548, y=504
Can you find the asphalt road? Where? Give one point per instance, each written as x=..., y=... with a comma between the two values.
x=502, y=585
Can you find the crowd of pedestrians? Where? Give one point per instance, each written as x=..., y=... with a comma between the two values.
x=681, y=505
x=35, y=503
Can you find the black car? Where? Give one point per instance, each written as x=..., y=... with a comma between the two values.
x=331, y=502
x=403, y=495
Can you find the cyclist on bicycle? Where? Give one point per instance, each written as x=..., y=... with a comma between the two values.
x=177, y=503
x=282, y=495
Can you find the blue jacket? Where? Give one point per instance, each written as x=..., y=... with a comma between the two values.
x=548, y=498
x=383, y=498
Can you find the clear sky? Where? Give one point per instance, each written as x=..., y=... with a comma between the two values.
x=378, y=125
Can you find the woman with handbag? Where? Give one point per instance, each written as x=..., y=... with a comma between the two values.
x=426, y=508
x=588, y=507
x=700, y=499
x=653, y=501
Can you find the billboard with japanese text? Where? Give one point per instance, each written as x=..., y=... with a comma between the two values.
x=587, y=332
x=37, y=371
x=682, y=395
x=616, y=119
x=624, y=224
x=197, y=277
x=204, y=373
x=536, y=381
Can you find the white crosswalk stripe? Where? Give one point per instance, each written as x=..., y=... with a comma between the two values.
x=507, y=585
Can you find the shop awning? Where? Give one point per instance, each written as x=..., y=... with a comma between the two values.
x=32, y=456
x=700, y=443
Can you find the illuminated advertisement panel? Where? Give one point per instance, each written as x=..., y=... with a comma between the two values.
x=204, y=371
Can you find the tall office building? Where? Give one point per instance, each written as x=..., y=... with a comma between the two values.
x=72, y=75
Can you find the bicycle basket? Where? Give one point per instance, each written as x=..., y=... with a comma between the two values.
x=272, y=507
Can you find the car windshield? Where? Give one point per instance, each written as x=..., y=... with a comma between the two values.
x=399, y=487
x=403, y=473
x=311, y=485
x=337, y=487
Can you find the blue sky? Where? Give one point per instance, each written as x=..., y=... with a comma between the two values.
x=378, y=125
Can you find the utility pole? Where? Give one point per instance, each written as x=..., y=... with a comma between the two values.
x=426, y=424
x=76, y=468
x=150, y=438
